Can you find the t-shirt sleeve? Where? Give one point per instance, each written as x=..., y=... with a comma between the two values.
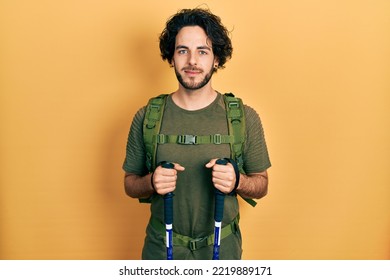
x=135, y=161
x=256, y=158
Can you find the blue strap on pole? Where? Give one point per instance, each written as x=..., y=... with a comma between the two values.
x=218, y=215
x=168, y=216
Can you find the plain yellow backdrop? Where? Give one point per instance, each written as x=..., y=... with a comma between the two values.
x=73, y=74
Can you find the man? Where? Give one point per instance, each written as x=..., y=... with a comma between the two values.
x=196, y=44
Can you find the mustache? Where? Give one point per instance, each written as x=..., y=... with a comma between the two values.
x=192, y=69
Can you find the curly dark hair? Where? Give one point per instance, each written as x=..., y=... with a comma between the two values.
x=211, y=24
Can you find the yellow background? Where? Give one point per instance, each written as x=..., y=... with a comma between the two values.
x=73, y=74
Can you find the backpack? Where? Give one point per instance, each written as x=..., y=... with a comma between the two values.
x=236, y=126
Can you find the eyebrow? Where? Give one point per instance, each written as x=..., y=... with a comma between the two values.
x=198, y=48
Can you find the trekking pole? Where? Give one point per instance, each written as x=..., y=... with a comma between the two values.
x=168, y=216
x=218, y=215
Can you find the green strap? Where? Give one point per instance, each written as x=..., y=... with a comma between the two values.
x=236, y=124
x=187, y=139
x=151, y=127
x=196, y=243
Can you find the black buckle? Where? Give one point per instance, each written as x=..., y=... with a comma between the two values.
x=197, y=243
x=186, y=139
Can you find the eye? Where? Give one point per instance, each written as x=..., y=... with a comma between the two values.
x=182, y=51
x=202, y=52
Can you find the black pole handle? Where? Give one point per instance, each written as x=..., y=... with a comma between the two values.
x=219, y=197
x=168, y=198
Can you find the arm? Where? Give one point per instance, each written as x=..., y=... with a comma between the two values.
x=138, y=186
x=256, y=160
x=253, y=185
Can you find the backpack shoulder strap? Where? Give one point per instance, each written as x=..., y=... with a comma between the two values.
x=236, y=123
x=151, y=127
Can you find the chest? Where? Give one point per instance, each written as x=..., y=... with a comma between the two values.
x=202, y=123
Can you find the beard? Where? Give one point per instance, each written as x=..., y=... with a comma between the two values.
x=192, y=85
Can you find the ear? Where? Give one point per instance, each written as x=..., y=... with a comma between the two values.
x=216, y=62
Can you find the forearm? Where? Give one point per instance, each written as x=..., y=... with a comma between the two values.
x=253, y=185
x=138, y=186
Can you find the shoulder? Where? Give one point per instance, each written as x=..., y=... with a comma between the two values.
x=140, y=115
x=250, y=112
x=252, y=119
x=155, y=100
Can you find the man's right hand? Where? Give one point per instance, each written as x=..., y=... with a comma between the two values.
x=164, y=179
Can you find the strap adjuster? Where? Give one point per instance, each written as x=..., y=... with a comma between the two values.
x=197, y=243
x=187, y=139
x=161, y=139
x=217, y=139
x=234, y=104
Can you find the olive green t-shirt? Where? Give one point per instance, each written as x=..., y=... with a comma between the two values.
x=193, y=203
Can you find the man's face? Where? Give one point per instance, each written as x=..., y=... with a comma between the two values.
x=193, y=58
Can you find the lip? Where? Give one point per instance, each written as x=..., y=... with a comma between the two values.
x=192, y=72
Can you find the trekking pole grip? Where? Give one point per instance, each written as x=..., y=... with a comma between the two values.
x=168, y=215
x=219, y=197
x=218, y=215
x=168, y=198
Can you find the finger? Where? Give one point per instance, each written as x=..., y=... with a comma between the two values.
x=165, y=171
x=165, y=188
x=221, y=187
x=163, y=178
x=211, y=163
x=178, y=167
x=162, y=175
x=223, y=169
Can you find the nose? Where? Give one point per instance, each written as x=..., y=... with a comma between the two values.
x=192, y=59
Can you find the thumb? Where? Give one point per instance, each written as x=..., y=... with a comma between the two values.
x=211, y=163
x=178, y=167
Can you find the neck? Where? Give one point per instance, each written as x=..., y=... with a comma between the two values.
x=194, y=99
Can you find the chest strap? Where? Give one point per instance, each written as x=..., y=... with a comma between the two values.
x=187, y=139
x=196, y=243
